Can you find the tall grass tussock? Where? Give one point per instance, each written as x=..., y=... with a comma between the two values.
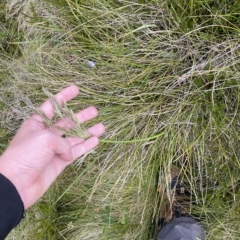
x=165, y=78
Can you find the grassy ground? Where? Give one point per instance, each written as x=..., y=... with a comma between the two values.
x=166, y=82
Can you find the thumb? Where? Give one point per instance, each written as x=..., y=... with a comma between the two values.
x=32, y=124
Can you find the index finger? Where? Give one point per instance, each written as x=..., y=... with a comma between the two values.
x=62, y=97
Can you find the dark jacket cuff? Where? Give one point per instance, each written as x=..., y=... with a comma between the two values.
x=11, y=207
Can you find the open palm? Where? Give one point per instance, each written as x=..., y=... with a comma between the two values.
x=37, y=154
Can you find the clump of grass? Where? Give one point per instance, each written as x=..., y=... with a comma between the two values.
x=167, y=89
x=209, y=18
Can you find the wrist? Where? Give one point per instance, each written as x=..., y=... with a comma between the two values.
x=8, y=172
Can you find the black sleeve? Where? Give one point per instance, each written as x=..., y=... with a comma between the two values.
x=11, y=207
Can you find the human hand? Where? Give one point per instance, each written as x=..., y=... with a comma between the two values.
x=37, y=154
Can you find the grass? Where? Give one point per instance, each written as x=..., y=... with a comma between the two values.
x=166, y=83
